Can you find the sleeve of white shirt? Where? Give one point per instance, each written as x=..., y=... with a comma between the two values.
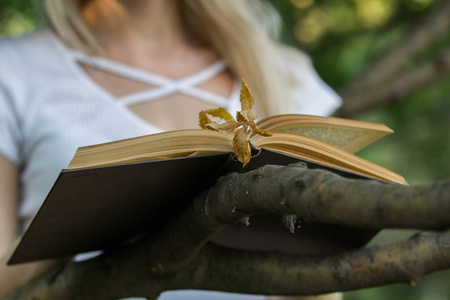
x=10, y=133
x=312, y=96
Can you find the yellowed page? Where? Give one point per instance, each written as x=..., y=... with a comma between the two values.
x=348, y=135
x=169, y=144
x=310, y=148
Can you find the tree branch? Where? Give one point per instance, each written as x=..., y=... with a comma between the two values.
x=179, y=256
x=321, y=196
x=397, y=88
x=388, y=79
x=417, y=39
x=282, y=274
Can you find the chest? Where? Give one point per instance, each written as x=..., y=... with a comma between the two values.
x=167, y=104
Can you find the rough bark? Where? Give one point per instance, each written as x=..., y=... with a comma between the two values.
x=180, y=257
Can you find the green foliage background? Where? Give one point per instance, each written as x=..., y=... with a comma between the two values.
x=343, y=37
x=351, y=34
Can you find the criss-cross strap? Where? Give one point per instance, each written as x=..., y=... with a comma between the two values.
x=164, y=86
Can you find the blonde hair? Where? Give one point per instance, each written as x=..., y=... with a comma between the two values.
x=238, y=30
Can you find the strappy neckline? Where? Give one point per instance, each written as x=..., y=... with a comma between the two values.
x=232, y=102
x=164, y=86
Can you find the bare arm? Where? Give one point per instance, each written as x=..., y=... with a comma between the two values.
x=14, y=277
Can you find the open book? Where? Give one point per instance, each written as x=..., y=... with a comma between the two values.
x=325, y=140
x=114, y=193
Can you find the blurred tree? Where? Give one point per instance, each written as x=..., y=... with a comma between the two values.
x=404, y=43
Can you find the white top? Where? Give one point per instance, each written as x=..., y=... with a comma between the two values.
x=49, y=106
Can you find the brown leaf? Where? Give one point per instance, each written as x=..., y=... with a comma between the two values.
x=225, y=128
x=246, y=115
x=241, y=146
x=246, y=98
x=255, y=129
x=203, y=119
x=220, y=113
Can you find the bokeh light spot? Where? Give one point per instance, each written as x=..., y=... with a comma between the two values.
x=311, y=27
x=374, y=13
x=302, y=4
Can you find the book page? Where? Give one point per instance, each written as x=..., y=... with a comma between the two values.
x=170, y=144
x=348, y=135
x=313, y=149
x=346, y=138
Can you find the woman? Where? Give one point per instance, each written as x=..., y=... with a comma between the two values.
x=104, y=70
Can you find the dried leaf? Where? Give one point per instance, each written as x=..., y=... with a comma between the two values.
x=246, y=98
x=246, y=115
x=225, y=128
x=203, y=119
x=245, y=118
x=255, y=129
x=241, y=146
x=220, y=113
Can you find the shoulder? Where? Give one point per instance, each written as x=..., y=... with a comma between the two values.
x=25, y=49
x=39, y=36
x=18, y=55
x=25, y=61
x=309, y=93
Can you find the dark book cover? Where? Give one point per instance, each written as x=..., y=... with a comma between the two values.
x=103, y=207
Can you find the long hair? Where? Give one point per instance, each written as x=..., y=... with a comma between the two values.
x=243, y=32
